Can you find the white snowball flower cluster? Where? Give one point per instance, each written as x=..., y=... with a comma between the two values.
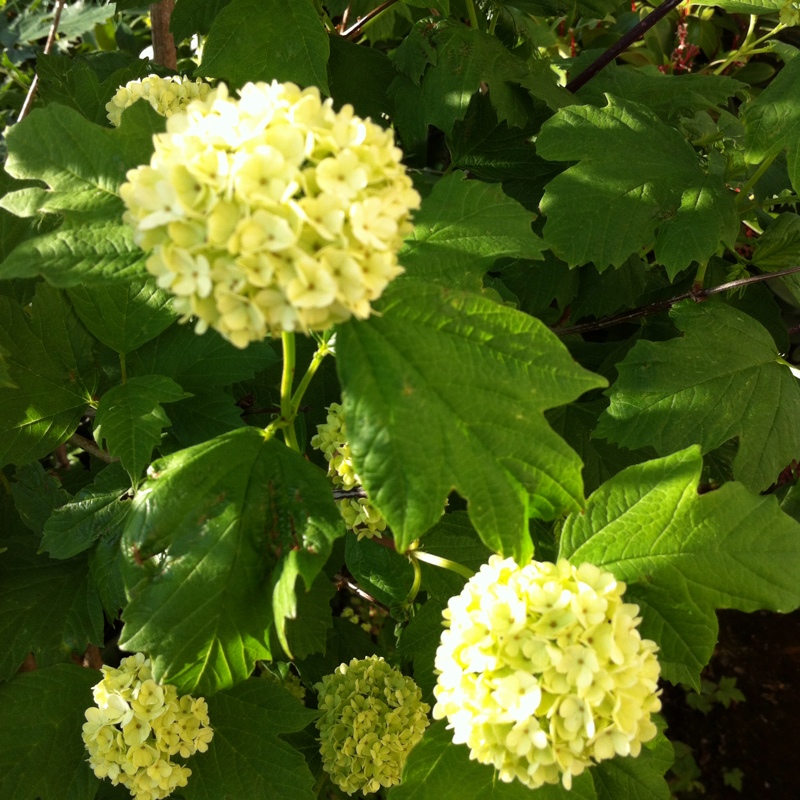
x=137, y=728
x=271, y=212
x=359, y=514
x=372, y=717
x=165, y=95
x=542, y=672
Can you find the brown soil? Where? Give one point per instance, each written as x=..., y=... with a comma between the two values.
x=761, y=736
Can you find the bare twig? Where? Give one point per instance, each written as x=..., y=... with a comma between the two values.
x=164, y=51
x=698, y=295
x=354, y=30
x=91, y=448
x=345, y=582
x=48, y=46
x=356, y=493
x=634, y=34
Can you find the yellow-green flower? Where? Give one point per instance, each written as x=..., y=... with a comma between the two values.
x=359, y=514
x=138, y=726
x=267, y=213
x=542, y=671
x=165, y=95
x=371, y=717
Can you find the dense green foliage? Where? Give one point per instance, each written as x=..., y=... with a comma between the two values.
x=553, y=376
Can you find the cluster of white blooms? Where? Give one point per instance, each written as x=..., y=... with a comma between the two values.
x=542, y=671
x=165, y=95
x=359, y=514
x=271, y=212
x=372, y=716
x=138, y=726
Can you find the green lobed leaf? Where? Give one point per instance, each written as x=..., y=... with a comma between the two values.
x=204, y=416
x=247, y=757
x=98, y=510
x=648, y=524
x=462, y=228
x=307, y=632
x=246, y=44
x=446, y=390
x=199, y=362
x=669, y=96
x=130, y=419
x=380, y=571
x=50, y=362
x=668, y=393
x=87, y=82
x=205, y=535
x=636, y=180
x=419, y=641
x=493, y=152
x=686, y=629
x=772, y=122
x=746, y=6
x=77, y=159
x=85, y=253
x=123, y=316
x=41, y=751
x=548, y=8
x=360, y=76
x=36, y=495
x=465, y=58
x=194, y=16
x=436, y=768
x=47, y=607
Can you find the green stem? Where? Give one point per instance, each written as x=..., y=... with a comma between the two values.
x=323, y=350
x=756, y=177
x=412, y=594
x=287, y=379
x=701, y=275
x=792, y=199
x=473, y=17
x=123, y=370
x=444, y=563
x=748, y=47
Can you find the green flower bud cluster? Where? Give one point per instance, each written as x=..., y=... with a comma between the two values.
x=372, y=716
x=165, y=95
x=139, y=726
x=542, y=671
x=271, y=212
x=359, y=514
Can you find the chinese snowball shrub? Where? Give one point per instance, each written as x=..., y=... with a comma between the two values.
x=271, y=212
x=359, y=514
x=542, y=671
x=371, y=717
x=138, y=727
x=165, y=95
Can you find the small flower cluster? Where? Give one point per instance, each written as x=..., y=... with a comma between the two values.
x=372, y=716
x=138, y=726
x=165, y=95
x=542, y=672
x=359, y=514
x=282, y=675
x=271, y=212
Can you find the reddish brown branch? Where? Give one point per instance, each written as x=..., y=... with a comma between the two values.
x=698, y=295
x=164, y=51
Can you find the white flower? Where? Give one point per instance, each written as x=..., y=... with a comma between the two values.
x=542, y=672
x=310, y=205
